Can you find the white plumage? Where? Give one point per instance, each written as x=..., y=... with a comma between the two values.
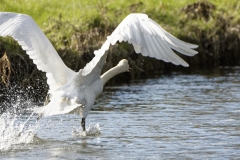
x=76, y=91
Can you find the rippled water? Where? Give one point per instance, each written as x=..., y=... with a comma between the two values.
x=178, y=116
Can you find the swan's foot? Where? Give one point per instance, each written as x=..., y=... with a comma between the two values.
x=83, y=124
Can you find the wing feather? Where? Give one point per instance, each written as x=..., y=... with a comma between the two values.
x=27, y=33
x=146, y=47
x=159, y=49
x=162, y=49
x=171, y=37
x=172, y=56
x=149, y=46
x=137, y=31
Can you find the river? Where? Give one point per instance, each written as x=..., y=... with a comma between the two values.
x=175, y=116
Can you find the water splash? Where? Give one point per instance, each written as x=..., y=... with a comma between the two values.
x=13, y=130
x=19, y=126
x=91, y=130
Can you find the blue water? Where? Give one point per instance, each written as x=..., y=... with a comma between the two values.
x=177, y=116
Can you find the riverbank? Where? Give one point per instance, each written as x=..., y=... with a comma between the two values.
x=76, y=29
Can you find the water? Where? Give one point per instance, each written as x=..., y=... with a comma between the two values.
x=178, y=116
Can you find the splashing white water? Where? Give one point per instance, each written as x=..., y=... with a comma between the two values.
x=13, y=131
x=91, y=130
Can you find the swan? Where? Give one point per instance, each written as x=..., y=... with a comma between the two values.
x=75, y=92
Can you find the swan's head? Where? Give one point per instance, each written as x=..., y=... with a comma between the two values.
x=123, y=64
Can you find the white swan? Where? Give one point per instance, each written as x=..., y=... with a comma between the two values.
x=71, y=91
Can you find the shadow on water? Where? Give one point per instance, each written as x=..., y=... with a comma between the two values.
x=186, y=115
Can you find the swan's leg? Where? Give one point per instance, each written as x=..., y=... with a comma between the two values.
x=83, y=124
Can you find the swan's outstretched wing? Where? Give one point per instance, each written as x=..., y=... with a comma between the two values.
x=148, y=38
x=151, y=39
x=27, y=33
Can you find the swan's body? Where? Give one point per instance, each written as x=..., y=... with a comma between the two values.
x=76, y=91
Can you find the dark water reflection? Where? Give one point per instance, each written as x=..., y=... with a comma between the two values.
x=178, y=116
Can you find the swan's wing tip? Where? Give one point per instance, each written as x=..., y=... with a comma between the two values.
x=194, y=46
x=186, y=65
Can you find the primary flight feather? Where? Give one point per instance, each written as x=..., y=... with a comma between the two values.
x=71, y=91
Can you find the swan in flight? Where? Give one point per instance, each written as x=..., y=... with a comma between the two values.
x=75, y=92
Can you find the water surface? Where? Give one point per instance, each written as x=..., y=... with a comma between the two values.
x=178, y=116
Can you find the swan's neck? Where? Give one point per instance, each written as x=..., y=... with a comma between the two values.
x=121, y=67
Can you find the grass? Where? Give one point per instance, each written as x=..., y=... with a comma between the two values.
x=73, y=10
x=83, y=13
